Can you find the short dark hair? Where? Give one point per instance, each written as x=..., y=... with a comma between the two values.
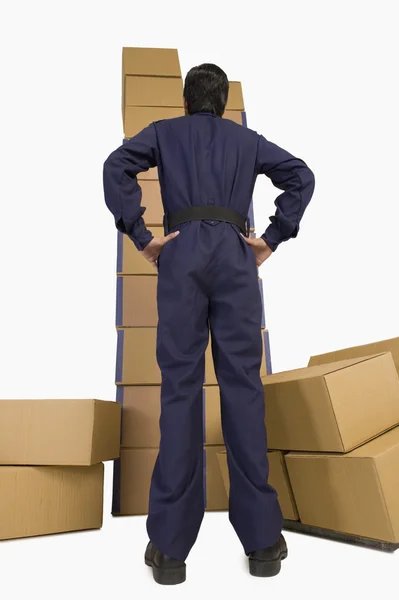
x=206, y=89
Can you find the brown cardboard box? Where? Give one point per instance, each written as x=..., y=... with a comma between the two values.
x=233, y=115
x=216, y=497
x=154, y=91
x=136, y=362
x=129, y=260
x=151, y=199
x=132, y=481
x=44, y=500
x=355, y=493
x=148, y=62
x=142, y=410
x=236, y=100
x=391, y=345
x=162, y=62
x=58, y=432
x=139, y=117
x=136, y=301
x=278, y=478
x=332, y=408
x=151, y=174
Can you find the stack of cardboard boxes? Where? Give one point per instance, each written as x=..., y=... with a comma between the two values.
x=153, y=89
x=335, y=426
x=51, y=473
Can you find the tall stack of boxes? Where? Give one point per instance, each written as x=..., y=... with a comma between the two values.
x=51, y=457
x=335, y=426
x=152, y=90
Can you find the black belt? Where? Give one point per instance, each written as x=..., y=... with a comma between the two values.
x=207, y=213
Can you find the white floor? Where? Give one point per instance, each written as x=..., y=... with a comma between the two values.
x=108, y=564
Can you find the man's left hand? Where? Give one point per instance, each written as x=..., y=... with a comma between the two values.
x=260, y=248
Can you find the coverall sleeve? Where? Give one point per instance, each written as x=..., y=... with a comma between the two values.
x=122, y=191
x=296, y=179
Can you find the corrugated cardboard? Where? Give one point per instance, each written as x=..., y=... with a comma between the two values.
x=151, y=174
x=163, y=62
x=136, y=362
x=391, y=345
x=332, y=408
x=136, y=301
x=216, y=497
x=133, y=478
x=129, y=260
x=139, y=117
x=44, y=500
x=355, y=493
x=235, y=100
x=58, y=432
x=278, y=479
x=234, y=115
x=151, y=199
x=142, y=410
x=154, y=91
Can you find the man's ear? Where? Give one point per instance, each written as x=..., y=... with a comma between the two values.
x=185, y=106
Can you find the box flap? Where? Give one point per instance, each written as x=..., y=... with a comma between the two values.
x=391, y=345
x=314, y=371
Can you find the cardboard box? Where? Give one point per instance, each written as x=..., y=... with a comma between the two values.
x=152, y=200
x=391, y=345
x=235, y=100
x=355, y=493
x=139, y=117
x=58, y=432
x=142, y=410
x=216, y=497
x=132, y=479
x=278, y=479
x=136, y=301
x=332, y=408
x=154, y=91
x=44, y=500
x=129, y=260
x=162, y=62
x=136, y=362
x=148, y=62
x=234, y=115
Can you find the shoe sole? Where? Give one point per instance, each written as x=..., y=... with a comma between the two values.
x=168, y=576
x=266, y=568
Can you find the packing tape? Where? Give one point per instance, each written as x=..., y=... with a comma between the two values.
x=263, y=323
x=119, y=302
x=203, y=417
x=204, y=475
x=119, y=355
x=267, y=352
x=119, y=253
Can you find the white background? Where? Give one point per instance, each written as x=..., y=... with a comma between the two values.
x=319, y=79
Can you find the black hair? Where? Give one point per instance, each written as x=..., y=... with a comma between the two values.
x=206, y=89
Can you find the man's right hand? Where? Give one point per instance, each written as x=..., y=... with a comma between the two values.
x=153, y=250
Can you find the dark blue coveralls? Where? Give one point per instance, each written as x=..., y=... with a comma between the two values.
x=208, y=279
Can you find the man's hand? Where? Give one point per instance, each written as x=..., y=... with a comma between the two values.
x=260, y=248
x=152, y=251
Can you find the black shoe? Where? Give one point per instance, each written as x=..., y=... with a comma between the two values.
x=165, y=569
x=267, y=562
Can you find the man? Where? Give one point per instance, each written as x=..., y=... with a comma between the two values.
x=208, y=281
